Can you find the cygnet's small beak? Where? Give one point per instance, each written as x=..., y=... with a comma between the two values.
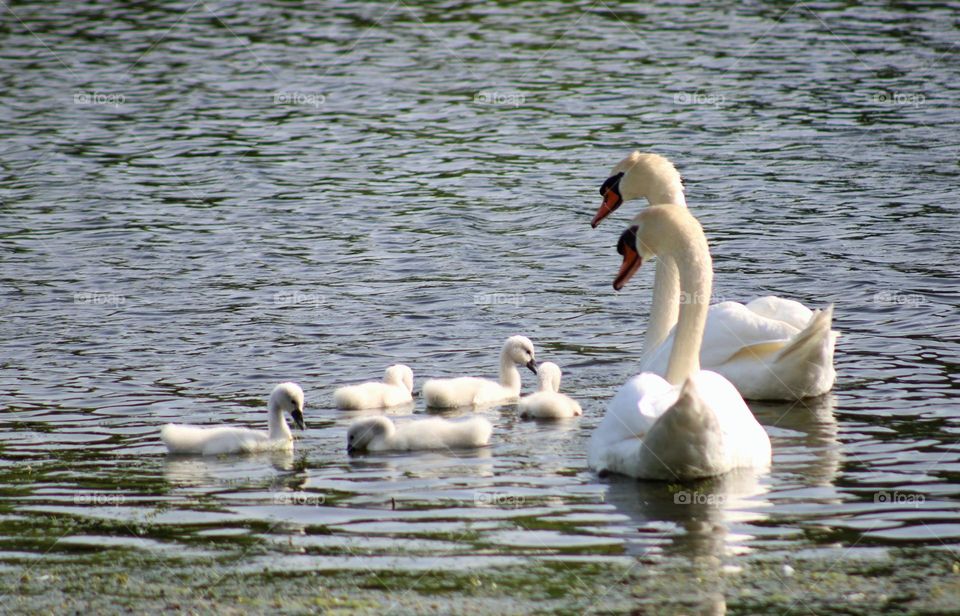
x=532, y=364
x=414, y=394
x=297, y=416
x=350, y=450
x=611, y=201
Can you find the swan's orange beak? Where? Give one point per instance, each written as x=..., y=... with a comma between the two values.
x=611, y=201
x=631, y=263
x=627, y=246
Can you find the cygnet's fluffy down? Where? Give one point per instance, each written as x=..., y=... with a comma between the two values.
x=474, y=391
x=381, y=434
x=207, y=441
x=395, y=389
x=547, y=402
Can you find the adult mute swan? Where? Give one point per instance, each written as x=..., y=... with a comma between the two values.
x=469, y=390
x=694, y=423
x=381, y=434
x=548, y=402
x=286, y=397
x=395, y=389
x=770, y=349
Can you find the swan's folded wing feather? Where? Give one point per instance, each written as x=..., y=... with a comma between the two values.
x=789, y=311
x=731, y=329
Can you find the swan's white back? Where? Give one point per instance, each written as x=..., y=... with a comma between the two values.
x=185, y=439
x=762, y=351
x=381, y=434
x=395, y=389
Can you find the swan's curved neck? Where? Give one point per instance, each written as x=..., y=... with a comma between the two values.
x=278, y=425
x=668, y=192
x=664, y=309
x=695, y=270
x=509, y=375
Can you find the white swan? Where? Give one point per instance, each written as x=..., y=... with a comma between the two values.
x=694, y=423
x=380, y=434
x=474, y=391
x=770, y=348
x=548, y=402
x=180, y=438
x=395, y=389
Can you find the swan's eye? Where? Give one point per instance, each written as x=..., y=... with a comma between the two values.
x=627, y=238
x=609, y=183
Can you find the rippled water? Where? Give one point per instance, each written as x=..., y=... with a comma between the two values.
x=201, y=200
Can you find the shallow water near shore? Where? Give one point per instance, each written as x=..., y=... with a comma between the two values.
x=200, y=201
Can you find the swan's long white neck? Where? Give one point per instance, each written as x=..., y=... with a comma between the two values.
x=667, y=193
x=509, y=375
x=695, y=269
x=277, y=424
x=664, y=309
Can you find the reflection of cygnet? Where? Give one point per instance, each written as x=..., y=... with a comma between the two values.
x=548, y=403
x=380, y=434
x=394, y=390
x=180, y=438
x=471, y=390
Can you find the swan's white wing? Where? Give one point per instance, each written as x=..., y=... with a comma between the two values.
x=747, y=443
x=214, y=441
x=787, y=310
x=631, y=413
x=731, y=328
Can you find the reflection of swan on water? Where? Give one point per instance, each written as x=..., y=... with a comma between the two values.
x=813, y=452
x=215, y=472
x=694, y=519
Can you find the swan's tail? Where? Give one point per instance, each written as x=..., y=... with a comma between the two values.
x=686, y=441
x=812, y=338
x=809, y=355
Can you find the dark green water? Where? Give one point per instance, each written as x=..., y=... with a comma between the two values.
x=198, y=201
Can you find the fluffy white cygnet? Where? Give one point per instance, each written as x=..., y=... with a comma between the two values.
x=381, y=434
x=474, y=391
x=286, y=397
x=547, y=402
x=395, y=389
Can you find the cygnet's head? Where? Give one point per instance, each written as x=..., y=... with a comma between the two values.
x=365, y=431
x=638, y=176
x=519, y=350
x=549, y=374
x=399, y=374
x=657, y=230
x=288, y=398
